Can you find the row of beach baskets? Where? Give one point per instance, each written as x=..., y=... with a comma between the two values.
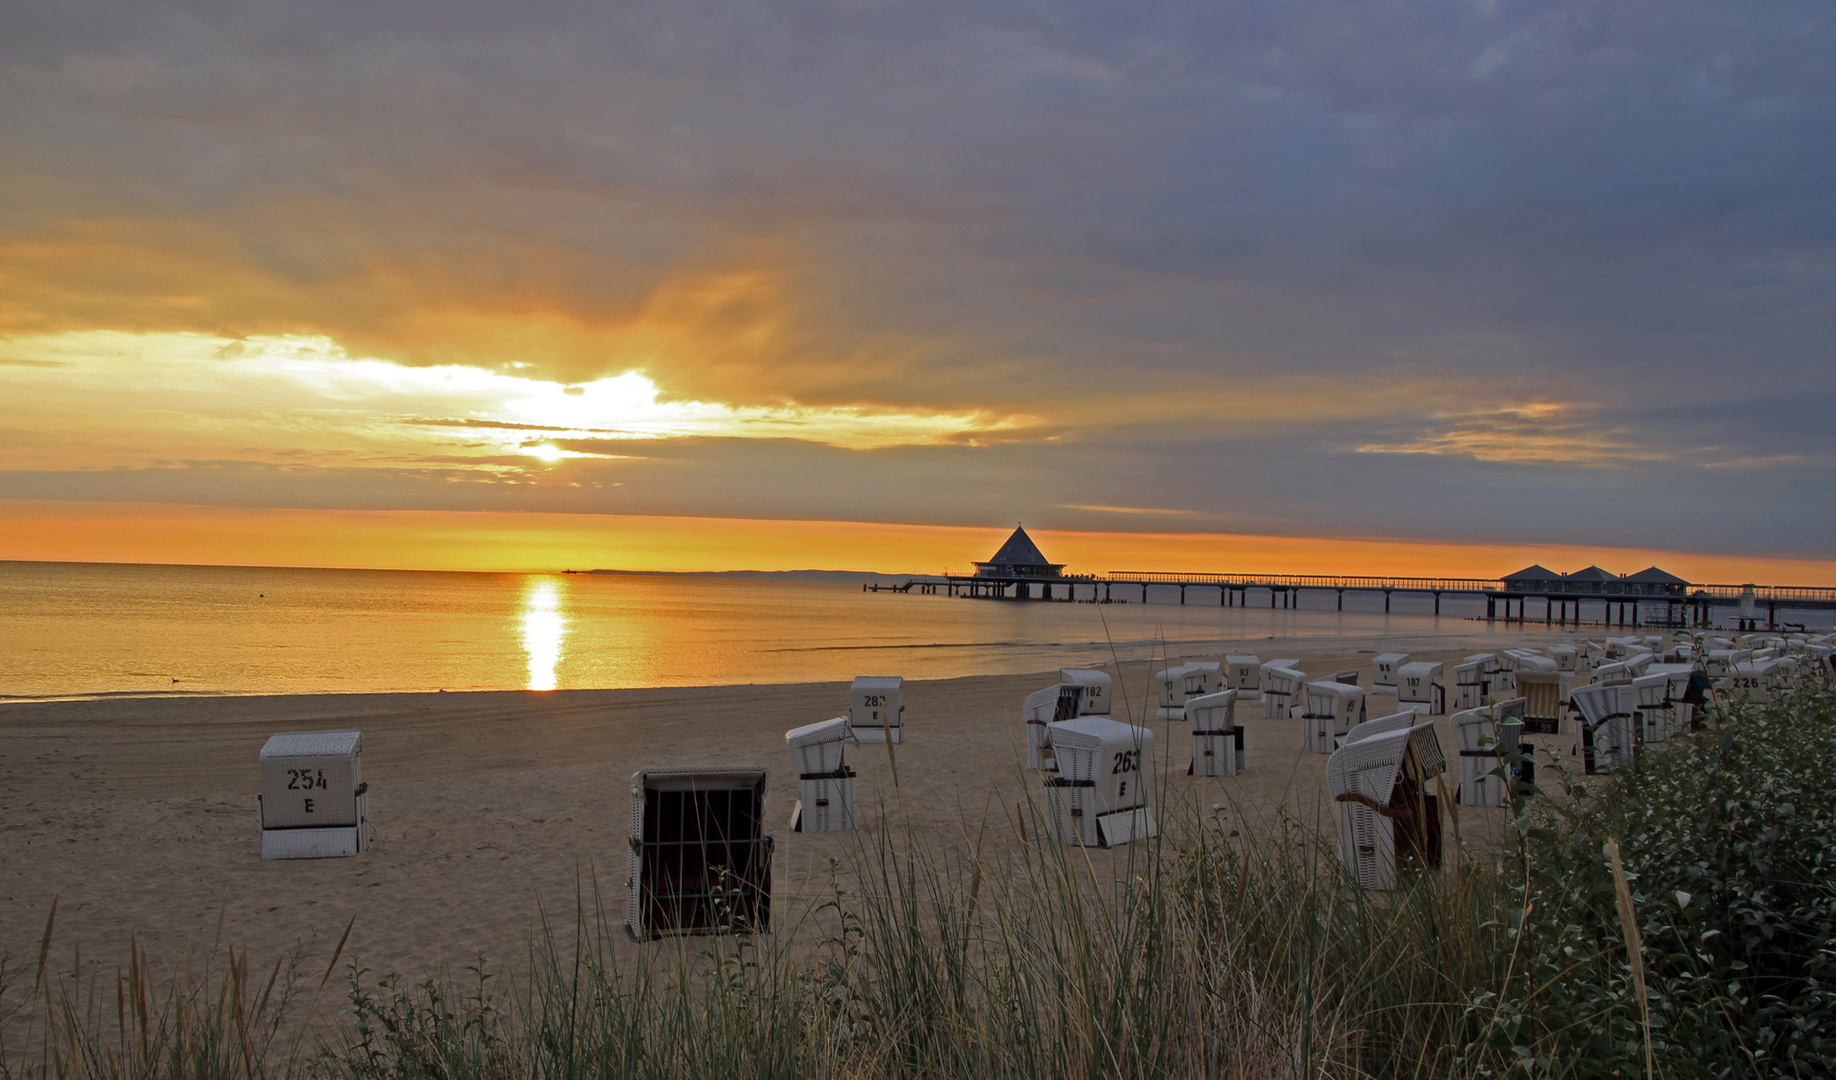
x=700, y=861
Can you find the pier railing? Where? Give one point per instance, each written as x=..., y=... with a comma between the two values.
x=1311, y=581
x=1779, y=594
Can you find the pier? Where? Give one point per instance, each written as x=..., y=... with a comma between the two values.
x=1557, y=602
x=1019, y=571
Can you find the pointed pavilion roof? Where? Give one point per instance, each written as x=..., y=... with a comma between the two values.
x=1535, y=572
x=1019, y=550
x=1019, y=557
x=1651, y=575
x=1592, y=573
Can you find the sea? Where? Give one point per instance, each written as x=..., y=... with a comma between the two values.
x=84, y=630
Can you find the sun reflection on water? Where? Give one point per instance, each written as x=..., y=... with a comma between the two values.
x=544, y=629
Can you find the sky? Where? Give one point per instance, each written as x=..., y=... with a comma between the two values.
x=1297, y=286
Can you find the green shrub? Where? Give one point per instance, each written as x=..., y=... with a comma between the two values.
x=1730, y=842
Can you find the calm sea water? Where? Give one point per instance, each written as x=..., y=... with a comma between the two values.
x=83, y=629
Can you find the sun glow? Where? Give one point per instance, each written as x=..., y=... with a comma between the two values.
x=106, y=399
x=544, y=631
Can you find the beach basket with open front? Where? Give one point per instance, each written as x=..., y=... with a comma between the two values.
x=1042, y=709
x=700, y=860
x=1380, y=787
x=1540, y=685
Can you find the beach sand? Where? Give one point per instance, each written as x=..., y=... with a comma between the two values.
x=139, y=817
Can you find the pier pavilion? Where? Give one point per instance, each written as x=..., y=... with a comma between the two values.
x=1017, y=566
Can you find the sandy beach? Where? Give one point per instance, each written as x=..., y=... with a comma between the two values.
x=138, y=815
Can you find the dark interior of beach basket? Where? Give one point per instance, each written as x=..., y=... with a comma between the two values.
x=706, y=860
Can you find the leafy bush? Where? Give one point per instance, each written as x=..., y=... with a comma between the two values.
x=1730, y=841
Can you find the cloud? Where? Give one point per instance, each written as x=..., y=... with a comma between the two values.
x=1538, y=433
x=1148, y=510
x=1285, y=267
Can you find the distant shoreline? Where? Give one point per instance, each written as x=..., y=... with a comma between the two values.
x=780, y=575
x=792, y=575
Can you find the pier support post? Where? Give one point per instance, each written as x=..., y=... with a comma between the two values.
x=1437, y=603
x=1386, y=601
x=1341, y=599
x=1182, y=596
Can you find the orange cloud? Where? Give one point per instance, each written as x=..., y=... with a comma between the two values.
x=520, y=542
x=741, y=327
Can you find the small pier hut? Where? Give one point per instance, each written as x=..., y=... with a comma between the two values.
x=1533, y=578
x=1652, y=581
